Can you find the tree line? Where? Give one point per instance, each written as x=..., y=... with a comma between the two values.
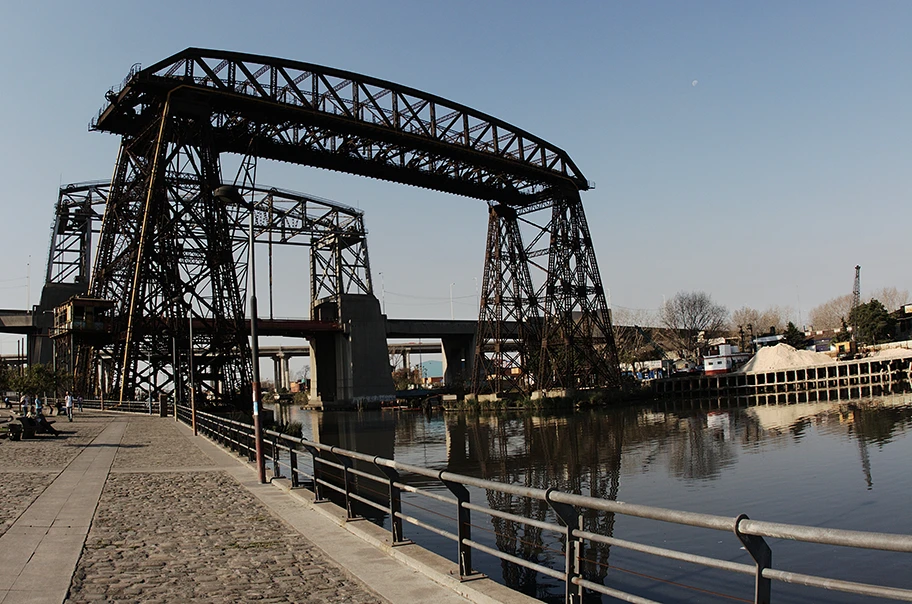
x=36, y=379
x=689, y=319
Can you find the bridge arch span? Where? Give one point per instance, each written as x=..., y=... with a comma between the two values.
x=315, y=115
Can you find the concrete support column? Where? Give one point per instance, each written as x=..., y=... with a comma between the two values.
x=286, y=371
x=458, y=358
x=351, y=369
x=276, y=372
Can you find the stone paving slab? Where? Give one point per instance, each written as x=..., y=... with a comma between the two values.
x=170, y=526
x=155, y=443
x=172, y=518
x=198, y=536
x=50, y=453
x=17, y=491
x=46, y=540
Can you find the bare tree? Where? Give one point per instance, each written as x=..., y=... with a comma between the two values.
x=631, y=327
x=690, y=314
x=634, y=316
x=891, y=297
x=831, y=313
x=761, y=321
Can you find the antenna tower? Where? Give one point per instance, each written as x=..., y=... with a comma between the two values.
x=856, y=300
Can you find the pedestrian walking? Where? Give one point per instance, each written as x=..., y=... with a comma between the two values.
x=25, y=404
x=38, y=405
x=68, y=402
x=79, y=402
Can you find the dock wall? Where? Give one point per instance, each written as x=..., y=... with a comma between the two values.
x=844, y=380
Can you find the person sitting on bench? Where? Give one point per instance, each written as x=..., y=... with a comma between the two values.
x=43, y=426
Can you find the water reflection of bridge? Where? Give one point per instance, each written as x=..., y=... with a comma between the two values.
x=590, y=453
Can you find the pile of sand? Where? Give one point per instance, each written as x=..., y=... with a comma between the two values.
x=892, y=353
x=783, y=356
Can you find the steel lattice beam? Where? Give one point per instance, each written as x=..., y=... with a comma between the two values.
x=318, y=116
x=282, y=218
x=553, y=335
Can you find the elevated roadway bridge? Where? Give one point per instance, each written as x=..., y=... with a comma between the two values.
x=454, y=339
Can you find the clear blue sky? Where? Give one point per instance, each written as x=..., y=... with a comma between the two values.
x=765, y=183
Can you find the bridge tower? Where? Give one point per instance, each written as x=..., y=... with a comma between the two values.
x=166, y=258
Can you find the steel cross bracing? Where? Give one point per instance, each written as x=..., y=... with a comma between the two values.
x=314, y=115
x=77, y=215
x=544, y=321
x=319, y=116
x=283, y=218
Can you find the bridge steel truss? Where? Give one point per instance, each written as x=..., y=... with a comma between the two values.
x=178, y=115
x=335, y=234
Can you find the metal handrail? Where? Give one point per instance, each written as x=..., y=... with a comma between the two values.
x=567, y=507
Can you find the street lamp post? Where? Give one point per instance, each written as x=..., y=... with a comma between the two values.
x=229, y=193
x=175, y=363
x=192, y=383
x=452, y=314
x=151, y=381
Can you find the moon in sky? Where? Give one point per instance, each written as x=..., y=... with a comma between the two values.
x=694, y=83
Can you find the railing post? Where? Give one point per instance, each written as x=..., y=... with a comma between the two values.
x=762, y=555
x=573, y=594
x=463, y=526
x=251, y=449
x=346, y=480
x=293, y=463
x=395, y=503
x=317, y=488
x=276, y=470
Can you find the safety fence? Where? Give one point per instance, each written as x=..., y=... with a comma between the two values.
x=396, y=490
x=162, y=409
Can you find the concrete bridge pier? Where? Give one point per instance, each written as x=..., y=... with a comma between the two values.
x=350, y=369
x=281, y=370
x=458, y=358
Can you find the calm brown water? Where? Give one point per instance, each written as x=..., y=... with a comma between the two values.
x=828, y=465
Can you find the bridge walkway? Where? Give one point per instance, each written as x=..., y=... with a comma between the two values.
x=126, y=507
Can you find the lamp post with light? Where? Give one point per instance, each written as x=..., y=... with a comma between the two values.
x=230, y=194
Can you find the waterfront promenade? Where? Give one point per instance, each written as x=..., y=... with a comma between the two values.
x=135, y=508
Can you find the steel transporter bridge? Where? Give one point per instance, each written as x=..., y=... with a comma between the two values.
x=171, y=253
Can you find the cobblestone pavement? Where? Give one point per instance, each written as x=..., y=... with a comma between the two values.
x=50, y=453
x=16, y=494
x=153, y=443
x=170, y=527
x=28, y=466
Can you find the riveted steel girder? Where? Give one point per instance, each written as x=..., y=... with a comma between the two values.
x=320, y=116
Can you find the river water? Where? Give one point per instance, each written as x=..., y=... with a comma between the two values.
x=838, y=465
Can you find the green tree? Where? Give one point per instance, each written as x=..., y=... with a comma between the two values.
x=5, y=375
x=41, y=380
x=874, y=324
x=794, y=337
x=402, y=377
